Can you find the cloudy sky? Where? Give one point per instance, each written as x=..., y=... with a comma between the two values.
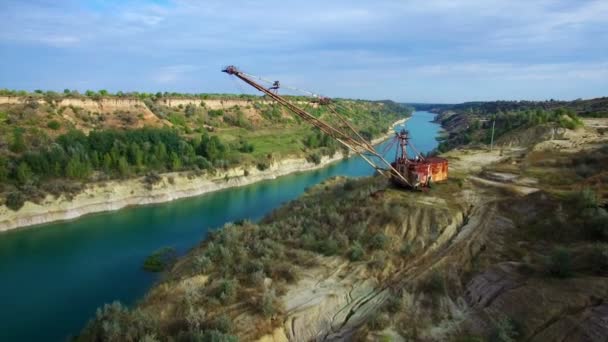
x=417, y=51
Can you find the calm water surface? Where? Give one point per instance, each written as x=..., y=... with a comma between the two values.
x=54, y=276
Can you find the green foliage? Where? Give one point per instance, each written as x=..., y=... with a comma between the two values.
x=24, y=173
x=226, y=290
x=114, y=322
x=53, y=124
x=4, y=169
x=160, y=260
x=268, y=307
x=584, y=199
x=505, y=330
x=14, y=200
x=18, y=143
x=314, y=158
x=433, y=283
x=223, y=324
x=559, y=263
x=378, y=241
x=356, y=252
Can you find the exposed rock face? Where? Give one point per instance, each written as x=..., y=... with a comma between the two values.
x=558, y=310
x=329, y=302
x=115, y=195
x=332, y=301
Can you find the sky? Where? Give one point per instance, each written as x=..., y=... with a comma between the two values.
x=440, y=51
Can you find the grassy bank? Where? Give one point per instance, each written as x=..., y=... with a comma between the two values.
x=55, y=143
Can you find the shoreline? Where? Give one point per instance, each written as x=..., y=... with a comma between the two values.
x=118, y=194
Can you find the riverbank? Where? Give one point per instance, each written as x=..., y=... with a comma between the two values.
x=118, y=194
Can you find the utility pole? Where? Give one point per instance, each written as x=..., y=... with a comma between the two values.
x=492, y=139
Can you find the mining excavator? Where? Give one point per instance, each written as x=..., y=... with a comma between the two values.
x=415, y=172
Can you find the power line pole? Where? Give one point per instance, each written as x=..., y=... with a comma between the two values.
x=492, y=139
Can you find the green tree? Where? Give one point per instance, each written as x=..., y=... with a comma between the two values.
x=176, y=163
x=107, y=163
x=77, y=168
x=24, y=173
x=136, y=155
x=3, y=169
x=18, y=144
x=123, y=167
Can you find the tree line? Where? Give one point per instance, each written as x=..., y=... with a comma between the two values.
x=480, y=128
x=116, y=154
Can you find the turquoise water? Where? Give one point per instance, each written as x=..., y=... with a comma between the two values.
x=54, y=276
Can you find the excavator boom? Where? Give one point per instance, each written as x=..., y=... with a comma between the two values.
x=350, y=139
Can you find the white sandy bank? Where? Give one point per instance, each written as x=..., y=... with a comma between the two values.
x=117, y=194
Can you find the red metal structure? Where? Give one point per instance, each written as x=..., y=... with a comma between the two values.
x=411, y=173
x=420, y=171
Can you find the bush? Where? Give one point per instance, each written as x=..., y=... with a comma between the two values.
x=433, y=284
x=505, y=330
x=226, y=291
x=596, y=227
x=15, y=200
x=262, y=166
x=350, y=184
x=378, y=241
x=586, y=198
x=378, y=321
x=598, y=259
x=223, y=324
x=356, y=252
x=54, y=125
x=393, y=304
x=268, y=307
x=160, y=259
x=559, y=263
x=314, y=158
x=202, y=264
x=406, y=249
x=328, y=246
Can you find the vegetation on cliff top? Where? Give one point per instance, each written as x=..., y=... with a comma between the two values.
x=46, y=147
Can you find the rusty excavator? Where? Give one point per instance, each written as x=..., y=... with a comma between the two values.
x=412, y=173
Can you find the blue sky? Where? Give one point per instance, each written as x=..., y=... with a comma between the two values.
x=416, y=51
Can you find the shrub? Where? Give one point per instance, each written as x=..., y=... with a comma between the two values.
x=433, y=283
x=559, y=263
x=262, y=166
x=14, y=200
x=406, y=249
x=356, y=252
x=378, y=241
x=160, y=259
x=598, y=259
x=314, y=158
x=505, y=330
x=202, y=264
x=328, y=246
x=378, y=321
x=596, y=227
x=226, y=291
x=223, y=324
x=268, y=307
x=393, y=304
x=350, y=185
x=583, y=199
x=54, y=125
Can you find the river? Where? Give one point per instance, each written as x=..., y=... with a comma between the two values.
x=54, y=276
